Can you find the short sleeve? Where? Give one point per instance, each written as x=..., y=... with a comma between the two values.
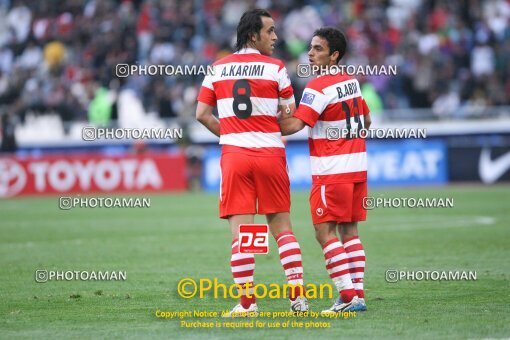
x=207, y=94
x=311, y=106
x=284, y=86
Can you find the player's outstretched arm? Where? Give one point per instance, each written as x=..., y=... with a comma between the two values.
x=291, y=125
x=205, y=116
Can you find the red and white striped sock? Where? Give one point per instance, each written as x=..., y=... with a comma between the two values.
x=243, y=266
x=337, y=265
x=356, y=255
x=290, y=257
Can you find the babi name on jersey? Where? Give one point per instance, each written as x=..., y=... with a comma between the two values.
x=348, y=89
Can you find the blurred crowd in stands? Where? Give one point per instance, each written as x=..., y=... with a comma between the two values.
x=60, y=55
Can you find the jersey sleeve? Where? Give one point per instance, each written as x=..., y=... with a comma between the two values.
x=285, y=90
x=311, y=106
x=207, y=94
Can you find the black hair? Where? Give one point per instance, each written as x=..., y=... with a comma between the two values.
x=250, y=23
x=335, y=38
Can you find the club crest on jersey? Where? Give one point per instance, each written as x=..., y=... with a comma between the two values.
x=308, y=98
x=319, y=211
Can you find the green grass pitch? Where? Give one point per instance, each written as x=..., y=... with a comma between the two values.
x=180, y=236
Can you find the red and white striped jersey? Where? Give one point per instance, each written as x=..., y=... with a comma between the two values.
x=246, y=87
x=334, y=103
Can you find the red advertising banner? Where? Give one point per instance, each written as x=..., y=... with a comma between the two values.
x=92, y=173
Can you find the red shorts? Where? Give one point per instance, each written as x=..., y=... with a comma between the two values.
x=339, y=202
x=253, y=185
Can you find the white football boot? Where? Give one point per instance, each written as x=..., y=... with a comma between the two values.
x=300, y=304
x=355, y=305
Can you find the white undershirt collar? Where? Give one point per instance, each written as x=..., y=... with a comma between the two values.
x=247, y=50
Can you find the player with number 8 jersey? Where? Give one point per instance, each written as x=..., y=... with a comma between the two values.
x=249, y=89
x=246, y=88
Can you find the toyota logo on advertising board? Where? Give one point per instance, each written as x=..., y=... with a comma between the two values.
x=91, y=173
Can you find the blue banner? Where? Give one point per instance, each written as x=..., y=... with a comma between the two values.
x=390, y=163
x=408, y=162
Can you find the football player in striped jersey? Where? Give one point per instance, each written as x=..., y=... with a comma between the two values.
x=334, y=110
x=249, y=89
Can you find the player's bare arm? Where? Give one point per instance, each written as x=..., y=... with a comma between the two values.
x=287, y=109
x=288, y=123
x=204, y=115
x=291, y=125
